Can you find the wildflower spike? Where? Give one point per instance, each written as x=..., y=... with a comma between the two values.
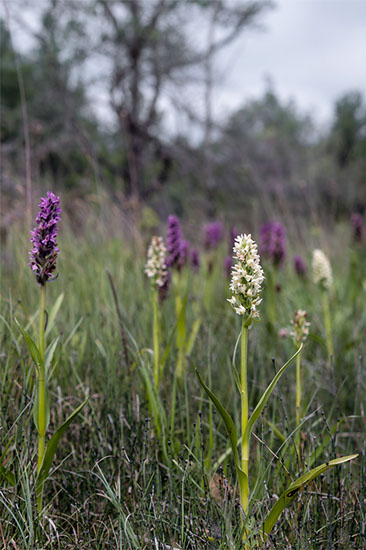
x=322, y=271
x=174, y=241
x=273, y=242
x=43, y=237
x=246, y=277
x=156, y=268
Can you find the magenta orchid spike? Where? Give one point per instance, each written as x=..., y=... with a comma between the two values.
x=195, y=259
x=300, y=266
x=183, y=254
x=273, y=242
x=357, y=225
x=43, y=237
x=173, y=241
x=213, y=235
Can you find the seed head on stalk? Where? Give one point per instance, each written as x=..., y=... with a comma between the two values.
x=246, y=277
x=43, y=237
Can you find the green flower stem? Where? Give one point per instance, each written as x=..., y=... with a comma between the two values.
x=156, y=339
x=327, y=323
x=41, y=394
x=178, y=284
x=298, y=388
x=244, y=409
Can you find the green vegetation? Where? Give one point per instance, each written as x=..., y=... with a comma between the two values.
x=134, y=471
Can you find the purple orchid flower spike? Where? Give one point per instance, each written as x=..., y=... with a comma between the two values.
x=195, y=259
x=173, y=241
x=300, y=266
x=357, y=225
x=183, y=254
x=43, y=237
x=273, y=242
x=213, y=235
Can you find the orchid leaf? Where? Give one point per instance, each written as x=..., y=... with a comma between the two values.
x=231, y=431
x=144, y=375
x=263, y=400
x=295, y=487
x=35, y=353
x=235, y=370
x=53, y=443
x=5, y=473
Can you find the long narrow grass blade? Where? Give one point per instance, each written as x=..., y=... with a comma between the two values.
x=193, y=336
x=53, y=313
x=11, y=334
x=50, y=353
x=69, y=338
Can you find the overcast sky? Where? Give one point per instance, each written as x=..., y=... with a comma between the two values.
x=313, y=51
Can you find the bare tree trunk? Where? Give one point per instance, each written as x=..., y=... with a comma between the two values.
x=208, y=89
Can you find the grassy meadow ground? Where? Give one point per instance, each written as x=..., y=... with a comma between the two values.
x=129, y=475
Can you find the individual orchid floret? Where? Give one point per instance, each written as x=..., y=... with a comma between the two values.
x=173, y=240
x=357, y=226
x=43, y=237
x=246, y=277
x=213, y=235
x=300, y=266
x=322, y=271
x=156, y=268
x=299, y=327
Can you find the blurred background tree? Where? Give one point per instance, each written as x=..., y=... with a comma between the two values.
x=140, y=58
